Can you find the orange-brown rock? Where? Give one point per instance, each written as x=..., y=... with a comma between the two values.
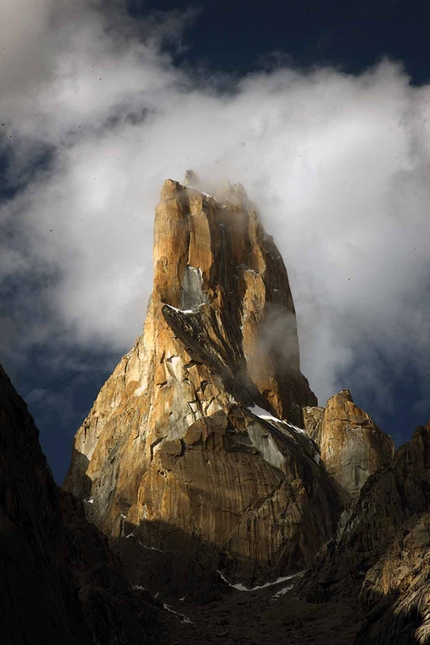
x=352, y=446
x=396, y=591
x=173, y=457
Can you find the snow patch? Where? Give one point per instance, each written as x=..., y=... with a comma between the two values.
x=150, y=548
x=255, y=409
x=240, y=587
x=184, y=311
x=296, y=428
x=89, y=501
x=266, y=446
x=184, y=619
x=262, y=414
x=281, y=592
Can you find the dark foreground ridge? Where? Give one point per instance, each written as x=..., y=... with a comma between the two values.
x=59, y=581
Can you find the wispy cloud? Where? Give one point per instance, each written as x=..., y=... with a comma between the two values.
x=97, y=115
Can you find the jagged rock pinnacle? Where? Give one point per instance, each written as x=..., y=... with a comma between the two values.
x=173, y=453
x=191, y=178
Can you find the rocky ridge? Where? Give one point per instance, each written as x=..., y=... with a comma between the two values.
x=59, y=581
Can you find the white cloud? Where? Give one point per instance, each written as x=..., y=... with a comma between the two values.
x=338, y=166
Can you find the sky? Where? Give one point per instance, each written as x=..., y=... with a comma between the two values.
x=319, y=110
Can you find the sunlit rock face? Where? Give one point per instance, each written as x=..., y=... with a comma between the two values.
x=351, y=444
x=174, y=457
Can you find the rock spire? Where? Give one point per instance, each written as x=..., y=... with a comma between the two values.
x=193, y=444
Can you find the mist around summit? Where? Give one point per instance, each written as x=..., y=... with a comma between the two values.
x=209, y=496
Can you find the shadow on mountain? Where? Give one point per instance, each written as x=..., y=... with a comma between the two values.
x=392, y=621
x=186, y=565
x=59, y=581
x=388, y=584
x=82, y=484
x=395, y=593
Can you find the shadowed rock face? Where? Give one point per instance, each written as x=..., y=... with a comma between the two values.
x=59, y=581
x=392, y=524
x=381, y=558
x=351, y=444
x=173, y=456
x=396, y=590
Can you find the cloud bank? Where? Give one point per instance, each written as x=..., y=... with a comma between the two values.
x=97, y=115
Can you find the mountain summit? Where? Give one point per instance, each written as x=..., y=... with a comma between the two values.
x=194, y=444
x=211, y=469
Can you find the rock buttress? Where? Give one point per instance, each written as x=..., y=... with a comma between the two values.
x=351, y=444
x=172, y=458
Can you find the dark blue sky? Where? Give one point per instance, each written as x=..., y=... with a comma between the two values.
x=241, y=36
x=237, y=38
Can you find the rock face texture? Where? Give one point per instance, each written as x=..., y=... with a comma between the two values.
x=396, y=592
x=59, y=582
x=175, y=457
x=352, y=446
x=312, y=422
x=381, y=558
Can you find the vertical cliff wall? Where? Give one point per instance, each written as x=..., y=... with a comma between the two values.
x=193, y=443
